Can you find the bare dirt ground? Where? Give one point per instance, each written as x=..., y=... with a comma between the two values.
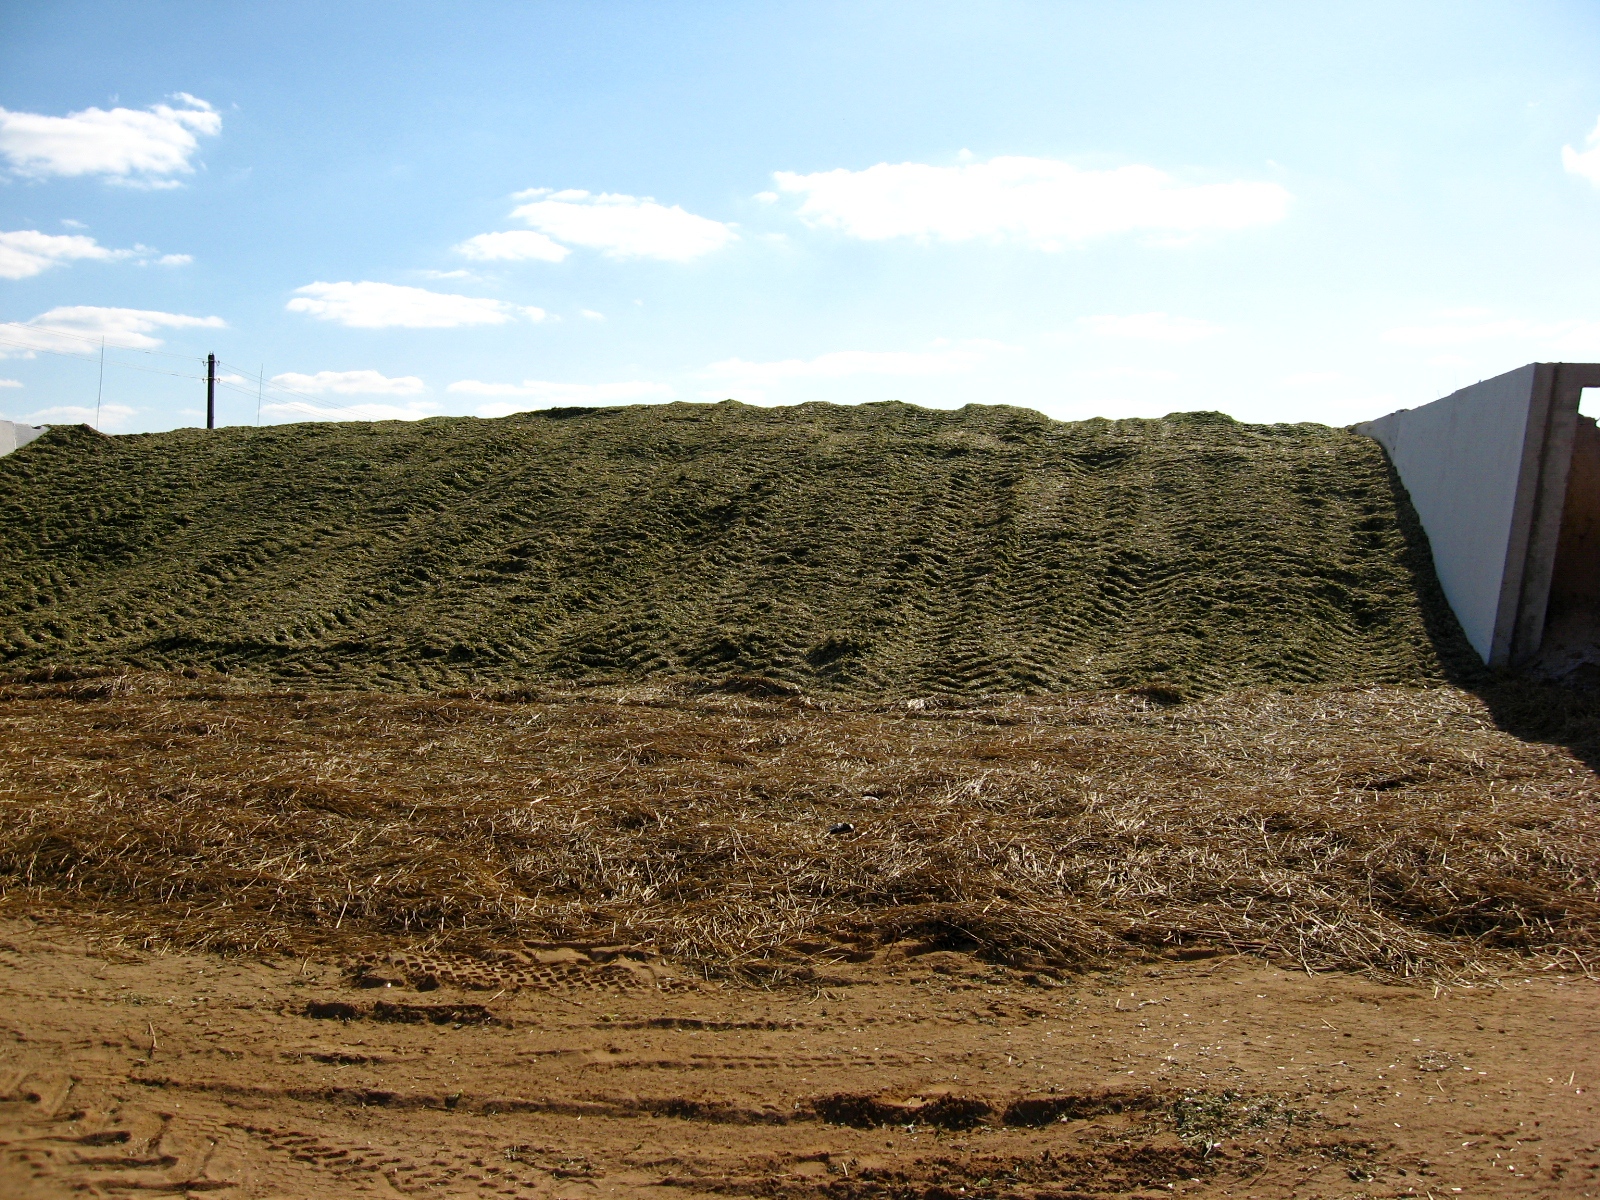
x=926, y=1073
x=1327, y=943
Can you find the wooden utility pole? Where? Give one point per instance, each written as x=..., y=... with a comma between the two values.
x=211, y=391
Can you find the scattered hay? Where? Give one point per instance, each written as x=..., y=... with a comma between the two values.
x=1205, y=1120
x=1388, y=830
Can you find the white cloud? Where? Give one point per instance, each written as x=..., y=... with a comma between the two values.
x=767, y=197
x=943, y=358
x=24, y=253
x=545, y=394
x=370, y=305
x=1133, y=374
x=462, y=274
x=516, y=245
x=621, y=226
x=1151, y=327
x=79, y=329
x=140, y=147
x=1469, y=328
x=303, y=410
x=10, y=383
x=1038, y=201
x=1587, y=162
x=110, y=416
x=350, y=383
x=27, y=252
x=1313, y=379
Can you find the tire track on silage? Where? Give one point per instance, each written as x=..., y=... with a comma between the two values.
x=869, y=550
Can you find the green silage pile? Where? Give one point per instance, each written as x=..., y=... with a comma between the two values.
x=874, y=550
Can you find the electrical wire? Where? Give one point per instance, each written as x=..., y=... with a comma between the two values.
x=93, y=340
x=110, y=361
x=316, y=404
x=100, y=389
x=315, y=401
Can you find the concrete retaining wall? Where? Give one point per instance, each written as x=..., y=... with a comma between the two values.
x=13, y=435
x=1487, y=469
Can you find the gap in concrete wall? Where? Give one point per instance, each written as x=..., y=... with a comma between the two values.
x=1589, y=403
x=1570, y=648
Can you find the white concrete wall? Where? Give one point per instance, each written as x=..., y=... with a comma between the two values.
x=1487, y=471
x=13, y=435
x=1462, y=459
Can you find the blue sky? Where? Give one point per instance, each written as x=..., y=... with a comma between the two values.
x=1287, y=212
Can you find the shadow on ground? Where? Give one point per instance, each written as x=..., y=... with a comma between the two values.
x=1527, y=708
x=1545, y=712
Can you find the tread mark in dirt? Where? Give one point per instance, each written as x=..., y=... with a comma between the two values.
x=351, y=1164
x=536, y=966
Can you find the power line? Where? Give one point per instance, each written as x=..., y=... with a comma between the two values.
x=100, y=388
x=91, y=357
x=43, y=349
x=316, y=401
x=314, y=405
x=57, y=331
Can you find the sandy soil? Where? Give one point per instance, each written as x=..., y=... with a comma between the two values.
x=589, y=1071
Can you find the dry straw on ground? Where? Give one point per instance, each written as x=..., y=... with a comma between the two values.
x=1389, y=830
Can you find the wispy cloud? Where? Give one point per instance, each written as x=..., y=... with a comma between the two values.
x=370, y=305
x=309, y=410
x=1131, y=375
x=619, y=226
x=77, y=329
x=542, y=393
x=1468, y=328
x=350, y=383
x=28, y=252
x=109, y=416
x=515, y=245
x=1585, y=162
x=1151, y=327
x=753, y=379
x=1036, y=201
x=137, y=147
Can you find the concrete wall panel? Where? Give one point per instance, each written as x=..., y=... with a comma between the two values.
x=13, y=435
x=1463, y=461
x=1487, y=469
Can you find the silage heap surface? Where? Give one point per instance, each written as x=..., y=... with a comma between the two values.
x=873, y=550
